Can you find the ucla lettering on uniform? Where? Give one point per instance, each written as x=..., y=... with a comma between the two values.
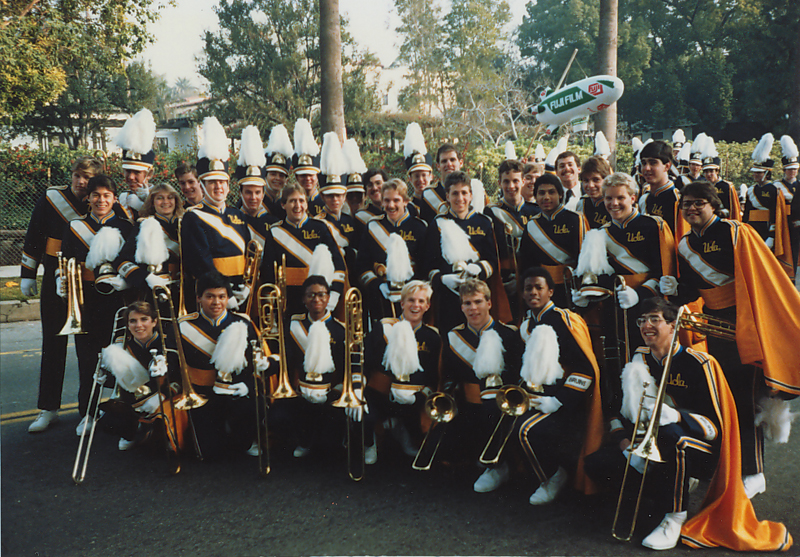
x=475, y=231
x=561, y=229
x=709, y=247
x=676, y=381
x=635, y=237
x=235, y=220
x=407, y=235
x=422, y=347
x=310, y=235
x=347, y=228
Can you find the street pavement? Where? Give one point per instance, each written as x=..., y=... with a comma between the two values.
x=130, y=506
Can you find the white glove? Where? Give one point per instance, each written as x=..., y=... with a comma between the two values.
x=403, y=396
x=333, y=300
x=579, y=299
x=357, y=413
x=158, y=366
x=143, y=192
x=384, y=288
x=314, y=396
x=117, y=282
x=241, y=293
x=151, y=405
x=61, y=285
x=627, y=297
x=770, y=242
x=261, y=363
x=668, y=285
x=668, y=415
x=546, y=404
x=231, y=389
x=473, y=269
x=155, y=280
x=636, y=461
x=452, y=281
x=28, y=287
x=233, y=303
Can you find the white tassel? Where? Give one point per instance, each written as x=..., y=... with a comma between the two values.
x=634, y=375
x=401, y=356
x=332, y=162
x=105, y=247
x=560, y=147
x=279, y=142
x=510, y=151
x=538, y=153
x=414, y=141
x=151, y=249
x=398, y=260
x=776, y=419
x=636, y=144
x=788, y=147
x=601, y=147
x=215, y=142
x=251, y=150
x=593, y=257
x=679, y=136
x=322, y=264
x=489, y=355
x=685, y=152
x=709, y=148
x=540, y=361
x=478, y=195
x=764, y=147
x=127, y=370
x=304, y=142
x=352, y=156
x=455, y=243
x=229, y=353
x=318, y=357
x=699, y=142
x=138, y=133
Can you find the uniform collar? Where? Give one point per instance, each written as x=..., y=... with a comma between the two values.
x=628, y=220
x=217, y=210
x=555, y=213
x=517, y=207
x=711, y=222
x=483, y=329
x=466, y=217
x=675, y=351
x=415, y=329
x=216, y=322
x=404, y=217
x=538, y=316
x=662, y=188
x=169, y=220
x=150, y=341
x=298, y=225
x=102, y=220
x=324, y=318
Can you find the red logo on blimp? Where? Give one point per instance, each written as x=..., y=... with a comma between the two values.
x=596, y=89
x=602, y=107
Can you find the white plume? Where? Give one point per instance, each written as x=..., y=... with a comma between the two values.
x=593, y=257
x=105, y=247
x=764, y=148
x=775, y=417
x=709, y=148
x=414, y=141
x=489, y=355
x=560, y=147
x=398, y=260
x=138, y=133
x=127, y=370
x=540, y=361
x=322, y=264
x=279, y=142
x=685, y=152
x=215, y=143
x=332, y=162
x=251, y=150
x=788, y=146
x=318, y=357
x=679, y=136
x=538, y=153
x=634, y=375
x=401, y=356
x=230, y=352
x=455, y=243
x=700, y=142
x=304, y=142
x=636, y=144
x=352, y=156
x=601, y=147
x=478, y=195
x=151, y=249
x=511, y=152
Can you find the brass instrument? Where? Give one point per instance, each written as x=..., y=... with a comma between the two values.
x=619, y=282
x=513, y=401
x=252, y=263
x=101, y=155
x=170, y=431
x=181, y=275
x=354, y=359
x=119, y=332
x=441, y=408
x=70, y=272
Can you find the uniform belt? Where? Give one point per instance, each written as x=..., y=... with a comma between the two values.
x=52, y=247
x=636, y=280
x=230, y=266
x=557, y=272
x=295, y=276
x=758, y=215
x=489, y=394
x=719, y=297
x=202, y=377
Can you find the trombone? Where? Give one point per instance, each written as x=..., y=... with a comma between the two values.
x=252, y=258
x=513, y=401
x=69, y=270
x=643, y=444
x=354, y=347
x=441, y=408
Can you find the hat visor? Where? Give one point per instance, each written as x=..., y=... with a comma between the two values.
x=215, y=175
x=277, y=168
x=136, y=165
x=338, y=188
x=792, y=166
x=252, y=181
x=307, y=170
x=356, y=189
x=415, y=167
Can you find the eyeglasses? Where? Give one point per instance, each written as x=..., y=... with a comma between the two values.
x=696, y=203
x=651, y=319
x=312, y=295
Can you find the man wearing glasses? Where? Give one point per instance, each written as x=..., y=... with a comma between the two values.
x=731, y=268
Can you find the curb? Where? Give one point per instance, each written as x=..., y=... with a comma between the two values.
x=13, y=311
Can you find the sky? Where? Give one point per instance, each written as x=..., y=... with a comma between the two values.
x=179, y=33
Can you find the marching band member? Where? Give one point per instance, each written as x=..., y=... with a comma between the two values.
x=136, y=141
x=95, y=241
x=216, y=344
x=697, y=438
x=695, y=160
x=565, y=421
x=530, y=172
x=682, y=161
x=373, y=179
x=725, y=190
x=552, y=238
x=355, y=186
x=250, y=173
x=402, y=364
x=420, y=174
x=49, y=221
x=479, y=357
x=381, y=278
x=186, y=176
x=213, y=234
x=759, y=207
x=591, y=205
x=662, y=198
x=790, y=190
x=279, y=153
x=297, y=237
x=567, y=166
x=729, y=266
x=468, y=249
x=306, y=165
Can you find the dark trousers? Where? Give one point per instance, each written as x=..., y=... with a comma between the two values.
x=53, y=311
x=550, y=440
x=224, y=424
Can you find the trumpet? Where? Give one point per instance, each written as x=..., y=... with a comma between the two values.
x=619, y=282
x=441, y=408
x=252, y=263
x=69, y=271
x=354, y=346
x=513, y=401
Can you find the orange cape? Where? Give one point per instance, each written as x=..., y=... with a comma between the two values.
x=783, y=244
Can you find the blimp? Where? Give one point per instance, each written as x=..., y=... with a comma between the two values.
x=578, y=100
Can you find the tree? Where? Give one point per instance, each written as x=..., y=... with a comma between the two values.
x=330, y=43
x=606, y=120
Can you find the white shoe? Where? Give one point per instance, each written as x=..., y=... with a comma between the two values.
x=491, y=479
x=43, y=421
x=371, y=454
x=125, y=445
x=79, y=429
x=549, y=489
x=254, y=449
x=666, y=534
x=300, y=452
x=755, y=484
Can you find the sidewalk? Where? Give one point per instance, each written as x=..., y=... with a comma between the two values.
x=12, y=311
